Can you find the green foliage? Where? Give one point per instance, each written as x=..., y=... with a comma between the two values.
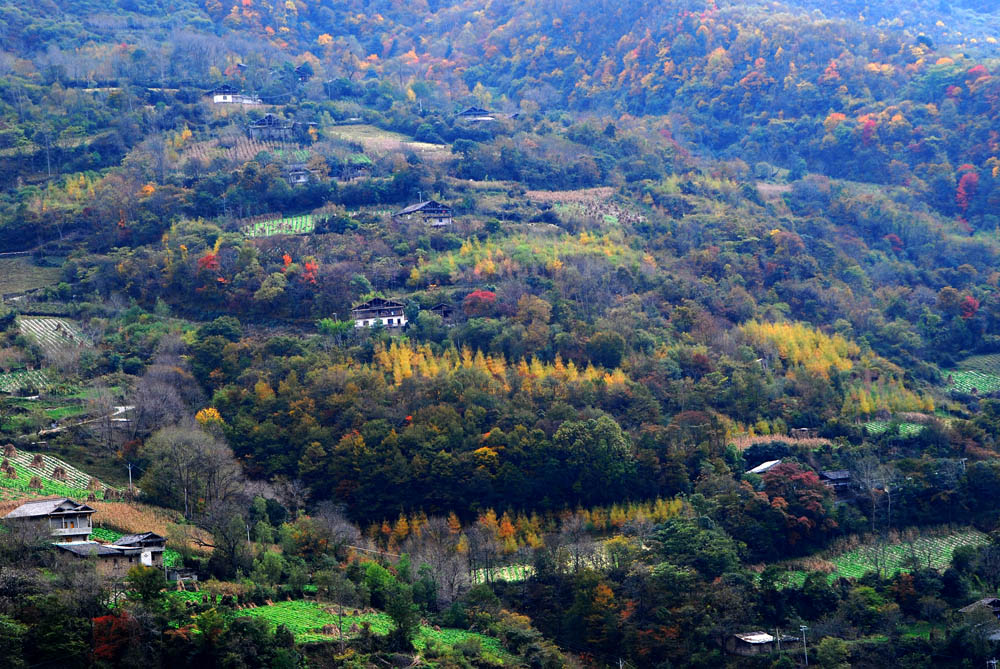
x=146, y=584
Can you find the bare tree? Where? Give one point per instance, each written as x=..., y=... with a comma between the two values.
x=186, y=464
x=102, y=404
x=438, y=548
x=341, y=531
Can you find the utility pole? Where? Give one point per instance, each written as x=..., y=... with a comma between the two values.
x=805, y=651
x=777, y=638
x=130, y=477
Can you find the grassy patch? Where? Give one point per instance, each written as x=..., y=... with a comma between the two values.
x=987, y=364
x=19, y=275
x=49, y=486
x=380, y=142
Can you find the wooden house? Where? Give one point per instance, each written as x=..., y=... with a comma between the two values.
x=296, y=173
x=838, y=480
x=431, y=212
x=444, y=310
x=989, y=605
x=65, y=520
x=116, y=559
x=379, y=311
x=270, y=127
x=474, y=115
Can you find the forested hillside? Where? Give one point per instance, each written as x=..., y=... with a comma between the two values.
x=702, y=337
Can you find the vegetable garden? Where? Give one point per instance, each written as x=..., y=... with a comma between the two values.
x=966, y=381
x=306, y=619
x=294, y=225
x=14, y=382
x=877, y=427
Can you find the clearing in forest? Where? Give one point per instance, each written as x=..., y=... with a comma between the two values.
x=381, y=142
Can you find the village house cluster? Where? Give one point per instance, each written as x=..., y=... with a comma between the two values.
x=70, y=525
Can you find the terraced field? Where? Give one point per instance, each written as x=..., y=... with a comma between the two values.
x=294, y=225
x=14, y=382
x=76, y=483
x=968, y=380
x=52, y=333
x=931, y=551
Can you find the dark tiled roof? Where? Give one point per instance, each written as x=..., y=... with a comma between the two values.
x=88, y=548
x=420, y=206
x=131, y=539
x=46, y=507
x=379, y=303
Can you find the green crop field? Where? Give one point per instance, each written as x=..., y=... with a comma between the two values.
x=933, y=552
x=171, y=558
x=513, y=573
x=967, y=380
x=14, y=382
x=49, y=486
x=74, y=485
x=293, y=225
x=877, y=427
x=305, y=620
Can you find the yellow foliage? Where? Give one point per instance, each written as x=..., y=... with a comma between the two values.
x=208, y=415
x=802, y=345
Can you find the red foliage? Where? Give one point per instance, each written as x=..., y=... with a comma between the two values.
x=978, y=72
x=111, y=635
x=894, y=241
x=479, y=302
x=953, y=91
x=868, y=131
x=286, y=260
x=969, y=307
x=966, y=189
x=309, y=272
x=209, y=262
